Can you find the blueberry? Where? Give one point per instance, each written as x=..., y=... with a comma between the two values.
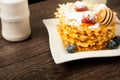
x=71, y=48
x=117, y=40
x=112, y=44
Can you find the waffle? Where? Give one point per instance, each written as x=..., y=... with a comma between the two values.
x=85, y=36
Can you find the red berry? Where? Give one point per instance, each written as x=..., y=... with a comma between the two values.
x=88, y=21
x=84, y=8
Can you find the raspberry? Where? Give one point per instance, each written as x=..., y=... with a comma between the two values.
x=88, y=21
x=84, y=8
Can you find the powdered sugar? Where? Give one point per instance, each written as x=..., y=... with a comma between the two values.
x=80, y=4
x=74, y=18
x=94, y=26
x=100, y=7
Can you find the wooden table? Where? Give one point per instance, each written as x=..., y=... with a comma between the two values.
x=32, y=60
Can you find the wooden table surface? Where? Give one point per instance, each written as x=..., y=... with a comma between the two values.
x=32, y=60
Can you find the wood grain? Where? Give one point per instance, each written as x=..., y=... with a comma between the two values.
x=32, y=60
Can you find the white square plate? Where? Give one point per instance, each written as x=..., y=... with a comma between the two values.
x=59, y=53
